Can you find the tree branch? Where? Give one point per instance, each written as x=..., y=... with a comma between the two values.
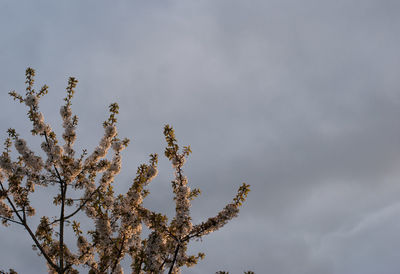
x=78, y=209
x=63, y=188
x=119, y=255
x=26, y=226
x=174, y=260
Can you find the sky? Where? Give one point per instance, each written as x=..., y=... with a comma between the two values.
x=299, y=99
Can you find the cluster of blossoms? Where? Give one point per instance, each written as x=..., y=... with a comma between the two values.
x=5, y=210
x=118, y=219
x=32, y=161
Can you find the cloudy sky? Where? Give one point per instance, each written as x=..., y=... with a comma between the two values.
x=300, y=99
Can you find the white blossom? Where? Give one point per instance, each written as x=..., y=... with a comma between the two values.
x=5, y=210
x=118, y=146
x=32, y=100
x=152, y=173
x=34, y=162
x=154, y=250
x=178, y=161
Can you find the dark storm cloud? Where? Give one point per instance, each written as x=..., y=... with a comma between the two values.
x=299, y=99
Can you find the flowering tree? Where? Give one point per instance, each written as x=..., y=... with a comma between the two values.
x=117, y=219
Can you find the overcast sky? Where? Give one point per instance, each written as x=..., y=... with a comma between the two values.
x=300, y=99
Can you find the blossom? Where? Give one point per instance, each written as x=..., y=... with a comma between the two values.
x=154, y=250
x=178, y=161
x=111, y=131
x=32, y=161
x=105, y=143
x=31, y=100
x=103, y=228
x=5, y=210
x=118, y=146
x=65, y=111
x=69, y=125
x=152, y=173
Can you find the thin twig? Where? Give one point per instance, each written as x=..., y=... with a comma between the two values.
x=11, y=220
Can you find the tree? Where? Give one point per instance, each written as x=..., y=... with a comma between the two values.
x=117, y=219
